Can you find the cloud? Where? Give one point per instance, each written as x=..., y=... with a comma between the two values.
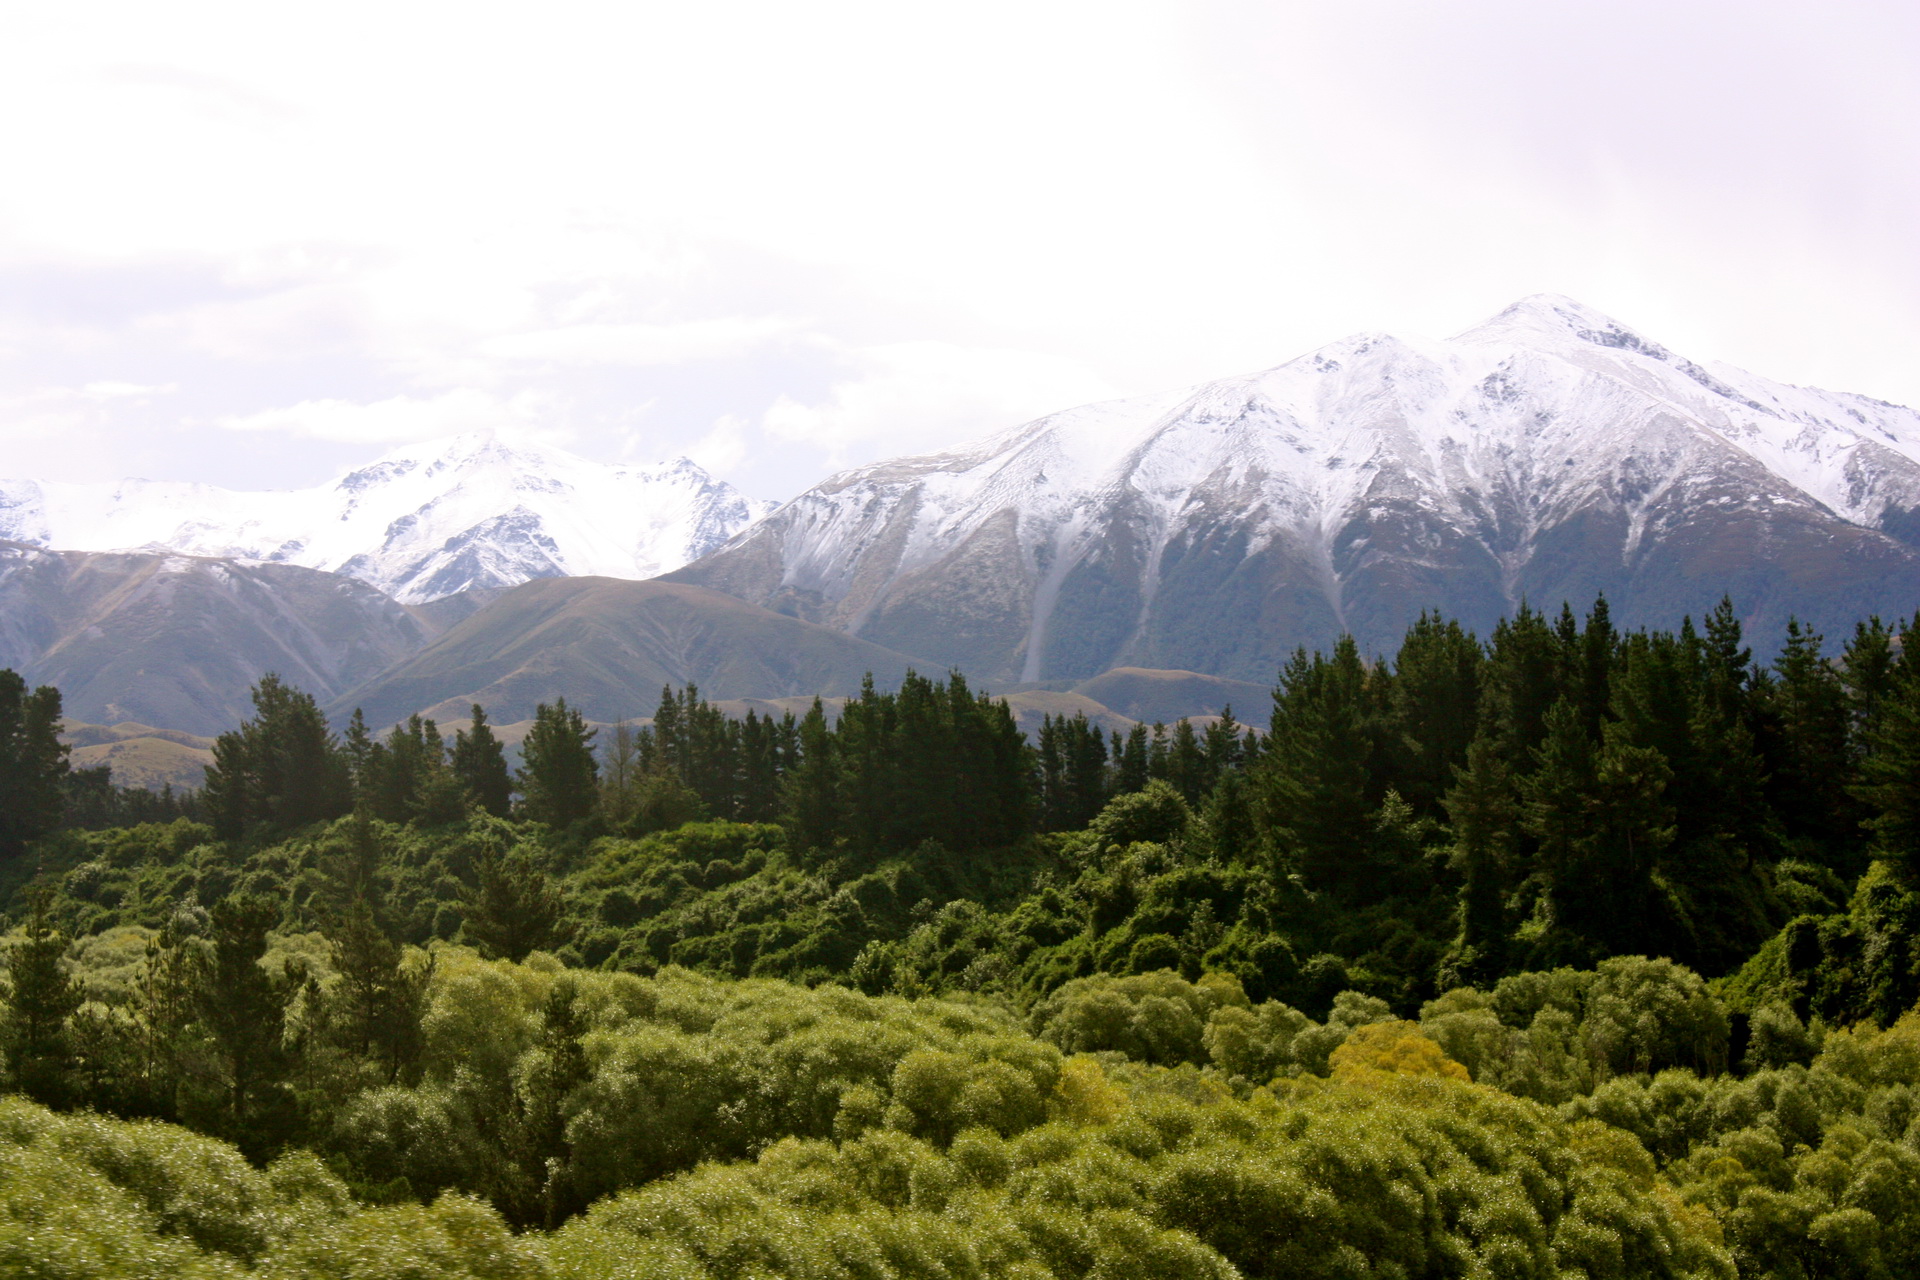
x=641, y=344
x=915, y=396
x=724, y=447
x=400, y=419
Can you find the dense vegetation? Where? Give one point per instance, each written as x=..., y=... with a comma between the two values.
x=898, y=993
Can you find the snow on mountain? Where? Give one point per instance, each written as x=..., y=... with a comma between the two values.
x=1548, y=454
x=420, y=523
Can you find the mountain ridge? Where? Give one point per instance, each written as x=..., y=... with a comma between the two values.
x=1547, y=454
x=421, y=522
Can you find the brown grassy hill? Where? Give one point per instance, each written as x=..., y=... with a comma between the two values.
x=608, y=645
x=1167, y=696
x=138, y=754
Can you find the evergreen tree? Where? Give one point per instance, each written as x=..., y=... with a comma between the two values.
x=41, y=997
x=480, y=763
x=812, y=787
x=1889, y=772
x=513, y=909
x=243, y=1010
x=279, y=771
x=1808, y=757
x=33, y=763
x=1313, y=776
x=559, y=777
x=1483, y=812
x=1131, y=771
x=1520, y=683
x=1434, y=709
x=1186, y=766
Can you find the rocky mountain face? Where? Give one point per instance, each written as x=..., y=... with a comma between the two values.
x=178, y=641
x=1547, y=455
x=470, y=513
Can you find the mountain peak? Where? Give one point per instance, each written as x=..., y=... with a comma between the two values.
x=1554, y=315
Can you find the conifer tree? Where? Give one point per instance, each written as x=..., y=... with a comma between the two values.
x=1131, y=770
x=1483, y=812
x=41, y=997
x=559, y=777
x=1889, y=772
x=243, y=1009
x=280, y=770
x=1313, y=776
x=1434, y=709
x=514, y=910
x=33, y=763
x=812, y=787
x=1808, y=757
x=1186, y=766
x=480, y=763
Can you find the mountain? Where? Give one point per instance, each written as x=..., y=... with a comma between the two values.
x=609, y=645
x=468, y=513
x=178, y=641
x=1547, y=455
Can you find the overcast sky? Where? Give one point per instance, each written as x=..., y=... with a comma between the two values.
x=254, y=244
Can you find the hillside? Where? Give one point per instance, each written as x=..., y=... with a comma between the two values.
x=179, y=640
x=608, y=646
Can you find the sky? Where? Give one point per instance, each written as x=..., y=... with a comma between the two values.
x=255, y=245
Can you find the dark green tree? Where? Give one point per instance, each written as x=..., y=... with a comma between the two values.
x=1484, y=815
x=1808, y=755
x=1889, y=772
x=480, y=762
x=1434, y=709
x=559, y=777
x=1312, y=779
x=243, y=1008
x=279, y=771
x=33, y=763
x=513, y=909
x=41, y=997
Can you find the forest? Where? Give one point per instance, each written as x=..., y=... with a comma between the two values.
x=1567, y=951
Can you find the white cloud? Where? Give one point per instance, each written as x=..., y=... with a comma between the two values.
x=641, y=344
x=917, y=396
x=724, y=446
x=398, y=420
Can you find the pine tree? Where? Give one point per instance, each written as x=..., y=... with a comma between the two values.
x=40, y=1000
x=1186, y=766
x=1888, y=780
x=1483, y=812
x=813, y=800
x=1519, y=684
x=281, y=770
x=1312, y=779
x=1808, y=757
x=243, y=1009
x=1434, y=709
x=513, y=910
x=559, y=778
x=480, y=763
x=33, y=764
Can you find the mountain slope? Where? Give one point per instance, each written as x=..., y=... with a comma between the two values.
x=178, y=641
x=1549, y=454
x=423, y=522
x=608, y=646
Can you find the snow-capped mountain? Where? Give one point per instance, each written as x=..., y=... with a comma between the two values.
x=422, y=522
x=1548, y=454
